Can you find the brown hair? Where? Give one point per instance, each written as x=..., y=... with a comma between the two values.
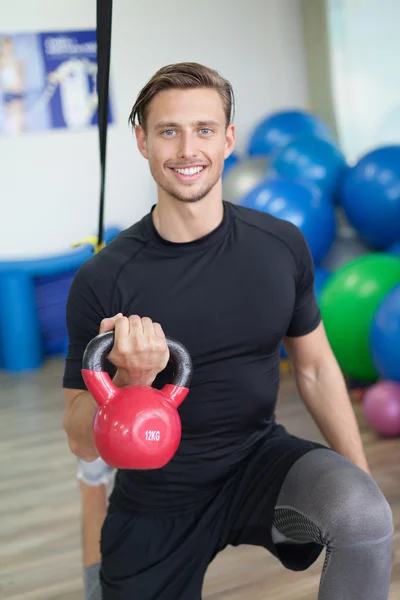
x=184, y=75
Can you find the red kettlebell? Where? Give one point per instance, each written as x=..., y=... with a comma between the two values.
x=135, y=427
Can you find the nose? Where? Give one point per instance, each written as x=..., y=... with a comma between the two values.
x=187, y=146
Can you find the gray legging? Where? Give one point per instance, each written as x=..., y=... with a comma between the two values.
x=328, y=500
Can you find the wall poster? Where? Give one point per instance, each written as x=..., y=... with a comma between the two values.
x=48, y=81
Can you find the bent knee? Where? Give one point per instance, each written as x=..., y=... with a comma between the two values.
x=359, y=511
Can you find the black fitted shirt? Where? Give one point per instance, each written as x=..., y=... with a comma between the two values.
x=229, y=297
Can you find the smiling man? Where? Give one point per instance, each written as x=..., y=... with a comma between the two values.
x=230, y=284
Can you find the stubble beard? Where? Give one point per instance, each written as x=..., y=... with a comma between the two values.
x=187, y=198
x=182, y=197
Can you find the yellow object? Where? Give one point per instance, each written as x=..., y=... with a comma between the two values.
x=285, y=366
x=91, y=240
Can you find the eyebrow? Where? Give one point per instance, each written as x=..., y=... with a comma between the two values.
x=170, y=124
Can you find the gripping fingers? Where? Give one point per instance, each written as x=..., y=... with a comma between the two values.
x=150, y=345
x=158, y=330
x=140, y=347
x=108, y=324
x=122, y=331
x=148, y=333
x=153, y=337
x=138, y=334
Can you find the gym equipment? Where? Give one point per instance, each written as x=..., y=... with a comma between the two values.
x=243, y=177
x=321, y=278
x=385, y=336
x=381, y=408
x=348, y=305
x=303, y=205
x=394, y=249
x=347, y=245
x=135, y=427
x=103, y=30
x=51, y=294
x=343, y=251
x=278, y=129
x=312, y=159
x=370, y=196
x=229, y=162
x=28, y=330
x=344, y=229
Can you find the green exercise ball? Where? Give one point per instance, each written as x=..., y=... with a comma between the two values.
x=348, y=304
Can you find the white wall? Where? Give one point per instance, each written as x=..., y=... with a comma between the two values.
x=49, y=183
x=365, y=46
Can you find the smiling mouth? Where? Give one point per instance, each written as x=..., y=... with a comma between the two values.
x=188, y=173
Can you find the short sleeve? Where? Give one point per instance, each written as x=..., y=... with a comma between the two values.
x=306, y=313
x=87, y=306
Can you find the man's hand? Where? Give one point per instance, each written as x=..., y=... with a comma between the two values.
x=140, y=349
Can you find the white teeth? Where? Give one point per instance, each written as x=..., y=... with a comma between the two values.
x=191, y=171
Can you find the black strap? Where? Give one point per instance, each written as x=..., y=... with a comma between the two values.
x=104, y=21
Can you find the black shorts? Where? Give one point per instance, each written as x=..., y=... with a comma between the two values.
x=153, y=557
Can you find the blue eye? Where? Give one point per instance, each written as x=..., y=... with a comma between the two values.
x=168, y=131
x=205, y=131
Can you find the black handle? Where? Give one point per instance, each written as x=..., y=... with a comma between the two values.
x=100, y=347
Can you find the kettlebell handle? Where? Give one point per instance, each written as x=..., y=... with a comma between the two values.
x=100, y=347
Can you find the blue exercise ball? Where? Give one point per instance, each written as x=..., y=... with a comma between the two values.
x=278, y=129
x=229, y=162
x=370, y=196
x=385, y=336
x=311, y=159
x=303, y=205
x=321, y=278
x=394, y=249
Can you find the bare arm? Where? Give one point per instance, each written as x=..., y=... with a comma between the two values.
x=323, y=389
x=79, y=412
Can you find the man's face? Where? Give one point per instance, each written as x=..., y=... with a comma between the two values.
x=186, y=141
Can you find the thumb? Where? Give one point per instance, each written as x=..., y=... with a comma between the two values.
x=108, y=324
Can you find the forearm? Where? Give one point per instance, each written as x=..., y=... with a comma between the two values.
x=325, y=395
x=78, y=426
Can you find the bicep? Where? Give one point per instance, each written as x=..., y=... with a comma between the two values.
x=306, y=314
x=308, y=351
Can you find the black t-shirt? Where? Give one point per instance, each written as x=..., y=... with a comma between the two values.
x=229, y=297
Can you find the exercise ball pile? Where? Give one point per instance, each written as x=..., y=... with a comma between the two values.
x=349, y=212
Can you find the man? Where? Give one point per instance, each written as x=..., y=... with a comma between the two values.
x=230, y=284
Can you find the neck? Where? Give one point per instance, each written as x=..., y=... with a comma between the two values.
x=179, y=222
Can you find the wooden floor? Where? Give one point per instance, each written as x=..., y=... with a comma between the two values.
x=40, y=556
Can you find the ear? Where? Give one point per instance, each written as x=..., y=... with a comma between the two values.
x=230, y=140
x=141, y=141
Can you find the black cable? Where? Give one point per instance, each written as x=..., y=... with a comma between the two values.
x=103, y=35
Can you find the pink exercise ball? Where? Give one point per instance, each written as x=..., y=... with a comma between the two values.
x=381, y=407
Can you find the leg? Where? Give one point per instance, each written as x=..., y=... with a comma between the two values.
x=94, y=511
x=294, y=497
x=328, y=500
x=93, y=481
x=152, y=557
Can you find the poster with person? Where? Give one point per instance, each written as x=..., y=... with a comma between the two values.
x=48, y=81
